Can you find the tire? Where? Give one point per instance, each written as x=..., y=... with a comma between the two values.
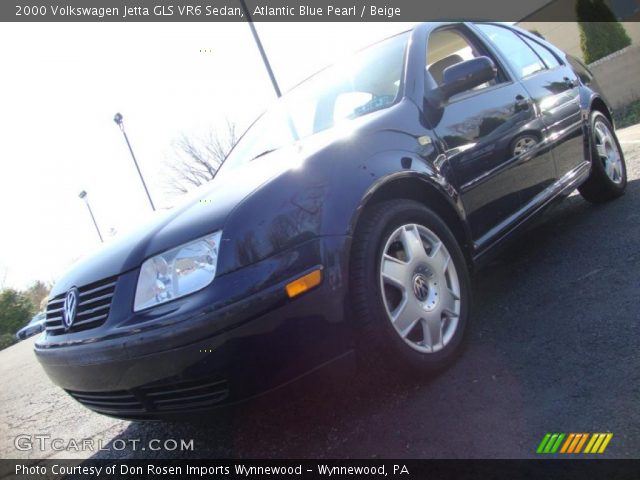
x=608, y=177
x=393, y=228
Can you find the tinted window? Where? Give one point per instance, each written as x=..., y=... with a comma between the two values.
x=519, y=55
x=545, y=54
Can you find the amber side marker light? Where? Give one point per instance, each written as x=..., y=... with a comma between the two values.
x=304, y=283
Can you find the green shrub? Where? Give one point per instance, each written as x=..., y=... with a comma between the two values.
x=600, y=33
x=6, y=340
x=627, y=115
x=15, y=311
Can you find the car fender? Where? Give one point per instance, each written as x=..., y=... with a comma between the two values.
x=326, y=189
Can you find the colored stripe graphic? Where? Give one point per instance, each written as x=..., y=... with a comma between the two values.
x=556, y=445
x=577, y=438
x=543, y=443
x=550, y=443
x=581, y=442
x=605, y=443
x=566, y=445
x=598, y=442
x=573, y=443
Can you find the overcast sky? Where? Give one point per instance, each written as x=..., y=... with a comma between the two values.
x=62, y=84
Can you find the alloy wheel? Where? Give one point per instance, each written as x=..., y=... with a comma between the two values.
x=608, y=152
x=420, y=288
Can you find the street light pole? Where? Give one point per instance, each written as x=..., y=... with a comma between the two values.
x=120, y=122
x=83, y=196
x=263, y=54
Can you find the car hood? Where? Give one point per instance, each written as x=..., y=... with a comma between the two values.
x=200, y=213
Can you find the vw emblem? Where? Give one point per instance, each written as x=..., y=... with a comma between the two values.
x=70, y=308
x=420, y=287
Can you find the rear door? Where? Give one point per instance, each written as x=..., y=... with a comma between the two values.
x=481, y=131
x=553, y=86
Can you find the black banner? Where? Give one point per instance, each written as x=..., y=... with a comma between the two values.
x=294, y=10
x=314, y=469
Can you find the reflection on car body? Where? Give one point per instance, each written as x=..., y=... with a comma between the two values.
x=35, y=325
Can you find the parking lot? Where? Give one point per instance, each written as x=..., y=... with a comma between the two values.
x=554, y=347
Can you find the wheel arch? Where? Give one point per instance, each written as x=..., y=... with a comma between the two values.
x=598, y=103
x=428, y=193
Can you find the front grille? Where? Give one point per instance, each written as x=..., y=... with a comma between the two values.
x=175, y=397
x=93, y=308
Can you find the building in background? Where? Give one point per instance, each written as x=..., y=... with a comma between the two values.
x=618, y=72
x=566, y=35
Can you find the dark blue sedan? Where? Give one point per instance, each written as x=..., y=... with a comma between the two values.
x=347, y=221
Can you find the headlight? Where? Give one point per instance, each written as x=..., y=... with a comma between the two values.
x=177, y=272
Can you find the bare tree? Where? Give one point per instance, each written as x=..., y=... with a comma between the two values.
x=197, y=159
x=37, y=292
x=4, y=271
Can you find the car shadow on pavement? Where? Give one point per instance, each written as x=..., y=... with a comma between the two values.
x=548, y=314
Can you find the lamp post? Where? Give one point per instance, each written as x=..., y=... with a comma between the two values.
x=120, y=122
x=83, y=196
x=263, y=54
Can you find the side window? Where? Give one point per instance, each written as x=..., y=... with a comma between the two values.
x=519, y=55
x=544, y=53
x=447, y=47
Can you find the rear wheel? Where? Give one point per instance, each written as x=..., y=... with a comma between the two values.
x=608, y=177
x=410, y=288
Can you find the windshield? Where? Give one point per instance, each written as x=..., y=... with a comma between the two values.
x=366, y=82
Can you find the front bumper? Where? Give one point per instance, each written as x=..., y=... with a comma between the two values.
x=237, y=337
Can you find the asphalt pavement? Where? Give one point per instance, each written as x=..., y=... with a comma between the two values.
x=554, y=347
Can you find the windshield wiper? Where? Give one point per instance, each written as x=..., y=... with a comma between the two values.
x=266, y=152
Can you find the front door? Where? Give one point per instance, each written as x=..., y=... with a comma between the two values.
x=482, y=132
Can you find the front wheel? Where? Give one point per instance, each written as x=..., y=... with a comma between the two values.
x=410, y=287
x=608, y=177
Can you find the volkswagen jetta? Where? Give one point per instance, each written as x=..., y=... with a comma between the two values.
x=348, y=218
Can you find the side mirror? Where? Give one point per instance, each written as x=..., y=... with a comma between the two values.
x=466, y=75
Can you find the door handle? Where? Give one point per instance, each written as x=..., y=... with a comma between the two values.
x=570, y=83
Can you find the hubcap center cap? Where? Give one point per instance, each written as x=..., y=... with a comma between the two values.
x=420, y=286
x=425, y=287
